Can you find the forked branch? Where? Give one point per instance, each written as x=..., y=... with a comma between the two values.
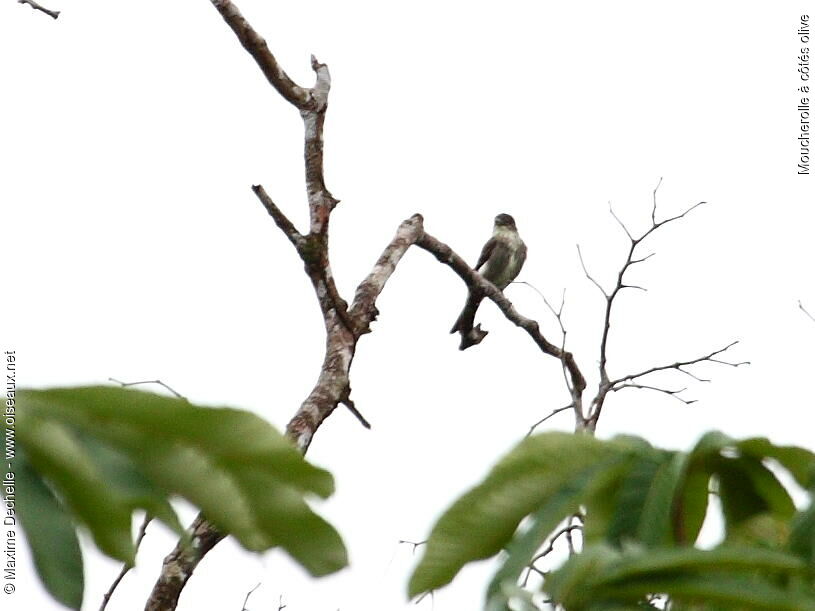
x=607, y=384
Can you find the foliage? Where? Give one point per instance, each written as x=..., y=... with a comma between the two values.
x=90, y=456
x=644, y=508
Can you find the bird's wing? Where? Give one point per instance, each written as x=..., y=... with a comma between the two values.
x=485, y=253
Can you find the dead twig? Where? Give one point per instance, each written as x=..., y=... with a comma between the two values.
x=805, y=311
x=159, y=382
x=554, y=412
x=125, y=568
x=606, y=385
x=248, y=594
x=415, y=544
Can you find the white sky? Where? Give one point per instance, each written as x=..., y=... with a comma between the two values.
x=134, y=248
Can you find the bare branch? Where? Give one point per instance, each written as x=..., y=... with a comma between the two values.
x=605, y=385
x=680, y=364
x=126, y=567
x=554, y=412
x=159, y=382
x=588, y=275
x=620, y=223
x=256, y=46
x=476, y=282
x=248, y=594
x=565, y=530
x=38, y=7
x=347, y=402
x=179, y=565
x=654, y=209
x=415, y=544
x=280, y=219
x=672, y=393
x=804, y=310
x=363, y=309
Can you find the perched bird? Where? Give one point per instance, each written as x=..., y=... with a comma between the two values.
x=502, y=258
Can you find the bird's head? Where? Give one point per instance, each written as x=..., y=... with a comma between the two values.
x=505, y=220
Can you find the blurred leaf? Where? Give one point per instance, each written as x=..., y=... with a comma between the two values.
x=761, y=530
x=50, y=534
x=748, y=488
x=649, y=504
x=565, y=501
x=799, y=462
x=61, y=460
x=802, y=535
x=735, y=577
x=523, y=481
x=107, y=451
x=629, y=502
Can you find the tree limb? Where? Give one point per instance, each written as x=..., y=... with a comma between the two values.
x=39, y=7
x=606, y=385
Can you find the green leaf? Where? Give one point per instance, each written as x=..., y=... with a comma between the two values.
x=656, y=527
x=136, y=490
x=748, y=488
x=50, y=533
x=799, y=462
x=802, y=534
x=690, y=505
x=59, y=458
x=737, y=577
x=564, y=502
x=529, y=476
x=133, y=449
x=629, y=500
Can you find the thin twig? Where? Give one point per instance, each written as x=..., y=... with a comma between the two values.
x=671, y=393
x=415, y=544
x=566, y=530
x=248, y=594
x=126, y=567
x=345, y=399
x=159, y=382
x=588, y=275
x=605, y=386
x=680, y=364
x=280, y=219
x=576, y=403
x=804, y=310
x=554, y=412
x=39, y=7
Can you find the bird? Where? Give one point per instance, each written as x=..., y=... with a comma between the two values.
x=502, y=258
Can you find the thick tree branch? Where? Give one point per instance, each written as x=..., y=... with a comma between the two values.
x=180, y=563
x=331, y=389
x=256, y=46
x=39, y=7
x=363, y=310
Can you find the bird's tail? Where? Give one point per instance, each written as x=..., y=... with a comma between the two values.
x=465, y=320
